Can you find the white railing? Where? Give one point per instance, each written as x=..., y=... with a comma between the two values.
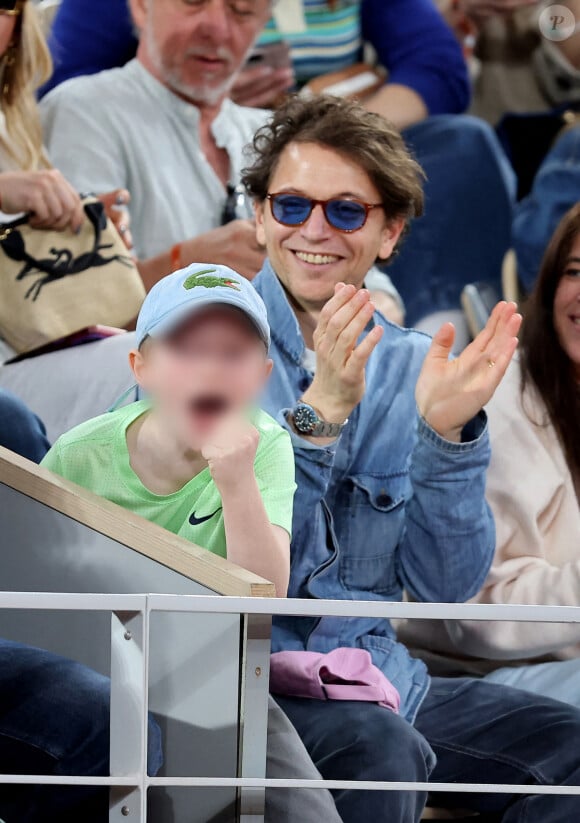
x=130, y=619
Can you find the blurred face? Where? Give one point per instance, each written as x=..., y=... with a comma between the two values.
x=567, y=307
x=196, y=47
x=212, y=365
x=7, y=25
x=310, y=259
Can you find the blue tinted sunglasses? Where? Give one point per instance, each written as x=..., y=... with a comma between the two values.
x=344, y=215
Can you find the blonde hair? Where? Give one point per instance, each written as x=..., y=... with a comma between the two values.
x=27, y=65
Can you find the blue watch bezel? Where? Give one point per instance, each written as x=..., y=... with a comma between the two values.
x=305, y=418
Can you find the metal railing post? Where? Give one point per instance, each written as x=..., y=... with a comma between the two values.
x=128, y=717
x=254, y=680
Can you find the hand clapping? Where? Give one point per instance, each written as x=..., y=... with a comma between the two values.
x=451, y=392
x=339, y=383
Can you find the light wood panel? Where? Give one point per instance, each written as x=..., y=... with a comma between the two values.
x=132, y=531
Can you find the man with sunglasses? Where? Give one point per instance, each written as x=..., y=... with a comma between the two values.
x=391, y=449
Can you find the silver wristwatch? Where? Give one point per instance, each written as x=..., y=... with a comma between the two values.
x=307, y=421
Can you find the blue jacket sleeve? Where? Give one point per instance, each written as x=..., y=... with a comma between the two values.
x=449, y=540
x=420, y=51
x=447, y=543
x=88, y=37
x=556, y=189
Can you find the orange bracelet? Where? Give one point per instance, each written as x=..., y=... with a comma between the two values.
x=175, y=256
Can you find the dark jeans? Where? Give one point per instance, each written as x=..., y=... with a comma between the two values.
x=20, y=430
x=54, y=720
x=467, y=731
x=466, y=229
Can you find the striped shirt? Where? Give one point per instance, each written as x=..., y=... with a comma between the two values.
x=332, y=41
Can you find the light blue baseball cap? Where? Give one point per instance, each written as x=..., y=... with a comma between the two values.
x=181, y=294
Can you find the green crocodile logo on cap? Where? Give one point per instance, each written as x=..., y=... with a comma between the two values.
x=205, y=279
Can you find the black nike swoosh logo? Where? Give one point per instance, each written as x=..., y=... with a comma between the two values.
x=196, y=521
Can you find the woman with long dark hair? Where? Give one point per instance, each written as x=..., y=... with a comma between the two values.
x=533, y=488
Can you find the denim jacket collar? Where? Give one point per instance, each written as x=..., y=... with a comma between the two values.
x=286, y=332
x=284, y=325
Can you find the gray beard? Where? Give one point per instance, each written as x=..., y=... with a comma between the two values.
x=202, y=94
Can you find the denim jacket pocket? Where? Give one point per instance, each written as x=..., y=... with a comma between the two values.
x=372, y=523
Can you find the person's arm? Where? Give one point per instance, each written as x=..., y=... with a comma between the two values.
x=448, y=507
x=427, y=71
x=556, y=189
x=253, y=540
x=447, y=511
x=531, y=532
x=88, y=37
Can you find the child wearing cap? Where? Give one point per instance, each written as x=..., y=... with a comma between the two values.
x=196, y=456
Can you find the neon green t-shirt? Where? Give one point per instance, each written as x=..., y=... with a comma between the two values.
x=95, y=455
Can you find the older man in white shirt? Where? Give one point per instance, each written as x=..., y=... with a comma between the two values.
x=163, y=127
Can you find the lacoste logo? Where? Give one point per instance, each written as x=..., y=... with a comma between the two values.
x=207, y=280
x=197, y=521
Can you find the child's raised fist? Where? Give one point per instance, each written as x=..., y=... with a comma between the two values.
x=230, y=453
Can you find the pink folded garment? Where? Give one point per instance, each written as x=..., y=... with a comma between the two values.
x=342, y=674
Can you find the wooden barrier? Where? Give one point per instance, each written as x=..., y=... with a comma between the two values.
x=56, y=536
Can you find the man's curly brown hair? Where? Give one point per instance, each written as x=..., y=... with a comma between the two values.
x=346, y=127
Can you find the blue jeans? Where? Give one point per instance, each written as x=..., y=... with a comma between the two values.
x=54, y=720
x=466, y=731
x=20, y=430
x=466, y=229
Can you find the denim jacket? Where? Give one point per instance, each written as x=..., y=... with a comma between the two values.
x=390, y=506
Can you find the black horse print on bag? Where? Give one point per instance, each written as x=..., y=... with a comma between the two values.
x=62, y=261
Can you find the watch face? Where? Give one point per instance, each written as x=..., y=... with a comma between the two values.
x=305, y=418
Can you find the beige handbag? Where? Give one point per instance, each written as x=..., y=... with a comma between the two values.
x=53, y=284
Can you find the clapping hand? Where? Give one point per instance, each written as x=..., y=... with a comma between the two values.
x=451, y=392
x=341, y=357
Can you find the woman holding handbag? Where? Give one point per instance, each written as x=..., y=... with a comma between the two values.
x=27, y=181
x=91, y=278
